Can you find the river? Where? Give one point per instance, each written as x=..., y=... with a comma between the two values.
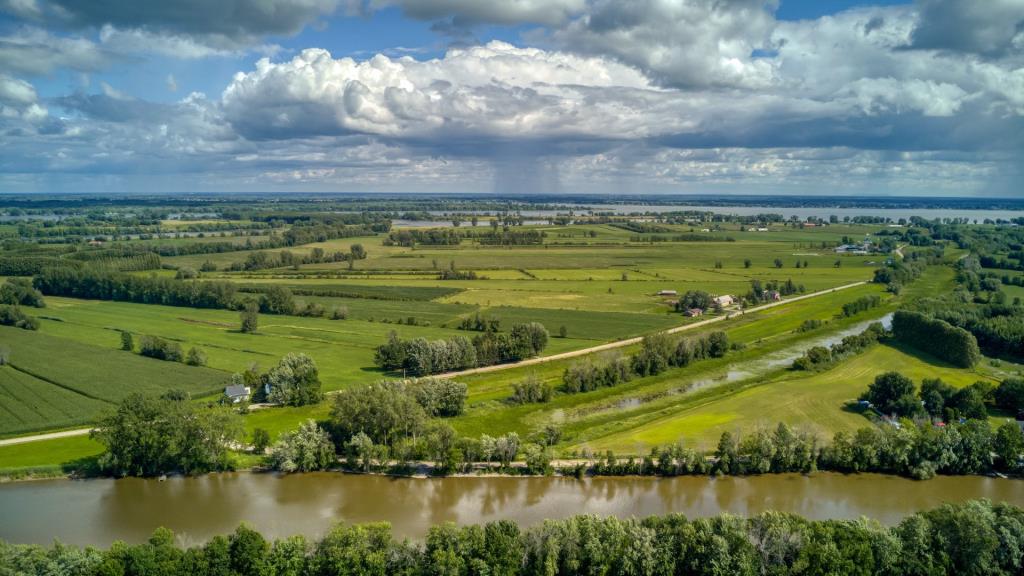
x=99, y=511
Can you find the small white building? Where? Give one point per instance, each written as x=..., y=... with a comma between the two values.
x=667, y=293
x=236, y=394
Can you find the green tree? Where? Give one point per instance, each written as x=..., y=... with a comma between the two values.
x=892, y=393
x=307, y=448
x=250, y=317
x=295, y=381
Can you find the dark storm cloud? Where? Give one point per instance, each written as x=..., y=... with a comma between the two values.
x=986, y=27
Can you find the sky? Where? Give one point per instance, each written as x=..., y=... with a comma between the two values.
x=845, y=97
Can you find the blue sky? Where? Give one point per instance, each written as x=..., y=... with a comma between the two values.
x=736, y=96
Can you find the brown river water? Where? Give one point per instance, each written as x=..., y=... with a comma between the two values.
x=99, y=511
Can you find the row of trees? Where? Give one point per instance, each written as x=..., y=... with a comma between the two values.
x=936, y=337
x=975, y=537
x=420, y=357
x=395, y=409
x=820, y=357
x=862, y=304
x=103, y=285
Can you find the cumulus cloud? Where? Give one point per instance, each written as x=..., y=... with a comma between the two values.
x=496, y=90
x=686, y=43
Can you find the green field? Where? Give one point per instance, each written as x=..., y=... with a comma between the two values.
x=598, y=281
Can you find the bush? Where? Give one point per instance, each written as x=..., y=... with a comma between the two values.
x=340, y=313
x=439, y=396
x=156, y=347
x=531, y=390
x=13, y=316
x=195, y=357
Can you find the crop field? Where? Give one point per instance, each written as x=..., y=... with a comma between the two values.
x=28, y=403
x=55, y=382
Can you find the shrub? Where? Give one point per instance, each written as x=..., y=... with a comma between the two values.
x=14, y=316
x=156, y=347
x=531, y=390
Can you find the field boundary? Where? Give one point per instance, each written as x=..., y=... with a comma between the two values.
x=638, y=339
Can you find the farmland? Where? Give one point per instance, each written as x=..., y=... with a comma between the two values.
x=587, y=283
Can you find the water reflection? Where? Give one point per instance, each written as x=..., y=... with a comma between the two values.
x=100, y=511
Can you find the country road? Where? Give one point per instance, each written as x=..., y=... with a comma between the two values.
x=636, y=340
x=47, y=436
x=527, y=362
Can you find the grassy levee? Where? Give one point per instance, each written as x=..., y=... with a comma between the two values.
x=816, y=402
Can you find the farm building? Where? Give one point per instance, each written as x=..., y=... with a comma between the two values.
x=236, y=394
x=723, y=300
x=667, y=293
x=691, y=312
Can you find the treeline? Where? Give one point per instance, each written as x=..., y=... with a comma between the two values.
x=975, y=537
x=31, y=265
x=430, y=237
x=821, y=358
x=936, y=337
x=862, y=304
x=421, y=357
x=691, y=237
x=104, y=285
x=657, y=353
x=453, y=237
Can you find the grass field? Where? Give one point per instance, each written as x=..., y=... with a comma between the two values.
x=47, y=453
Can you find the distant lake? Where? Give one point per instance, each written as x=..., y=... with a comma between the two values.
x=803, y=213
